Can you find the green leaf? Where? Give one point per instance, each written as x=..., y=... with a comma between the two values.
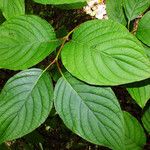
x=58, y=2
x=91, y=112
x=25, y=41
x=115, y=11
x=25, y=103
x=105, y=53
x=12, y=8
x=146, y=119
x=72, y=6
x=143, y=32
x=134, y=8
x=135, y=138
x=0, y=4
x=140, y=92
x=147, y=50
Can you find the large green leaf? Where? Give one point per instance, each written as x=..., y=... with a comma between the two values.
x=58, y=2
x=146, y=119
x=140, y=92
x=91, y=112
x=134, y=8
x=12, y=8
x=143, y=32
x=25, y=41
x=135, y=137
x=25, y=103
x=105, y=53
x=115, y=11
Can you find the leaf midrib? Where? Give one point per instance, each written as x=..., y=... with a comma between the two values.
x=82, y=101
x=27, y=98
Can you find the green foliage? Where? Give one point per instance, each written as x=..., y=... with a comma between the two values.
x=21, y=41
x=12, y=8
x=71, y=6
x=134, y=8
x=58, y=2
x=143, y=31
x=25, y=103
x=134, y=134
x=100, y=53
x=64, y=4
x=147, y=50
x=140, y=92
x=146, y=119
x=91, y=112
x=115, y=11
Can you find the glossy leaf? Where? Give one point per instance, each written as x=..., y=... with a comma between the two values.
x=134, y=8
x=25, y=41
x=146, y=119
x=115, y=11
x=58, y=2
x=91, y=112
x=140, y=92
x=143, y=32
x=135, y=138
x=12, y=8
x=99, y=54
x=25, y=103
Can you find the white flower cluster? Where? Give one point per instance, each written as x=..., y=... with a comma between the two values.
x=96, y=8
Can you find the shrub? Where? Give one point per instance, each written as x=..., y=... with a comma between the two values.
x=92, y=58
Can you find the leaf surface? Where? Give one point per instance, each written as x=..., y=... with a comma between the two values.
x=99, y=54
x=115, y=11
x=134, y=133
x=143, y=32
x=134, y=8
x=58, y=2
x=146, y=119
x=140, y=92
x=91, y=112
x=77, y=5
x=147, y=50
x=25, y=103
x=25, y=41
x=12, y=8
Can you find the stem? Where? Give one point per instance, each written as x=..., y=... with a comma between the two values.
x=41, y=147
x=59, y=68
x=59, y=51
